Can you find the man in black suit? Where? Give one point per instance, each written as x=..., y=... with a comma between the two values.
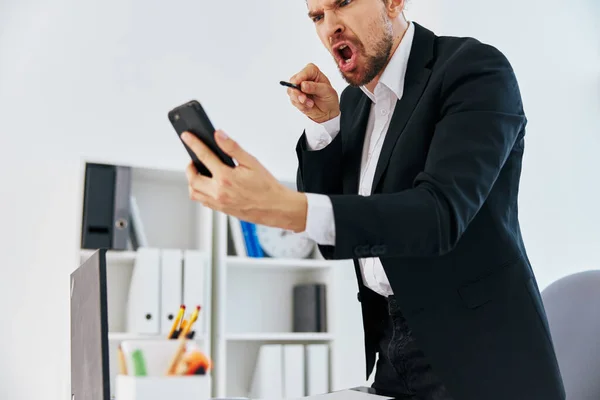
x=413, y=173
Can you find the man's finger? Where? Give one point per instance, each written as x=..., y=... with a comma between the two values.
x=233, y=149
x=318, y=89
x=204, y=154
x=309, y=73
x=293, y=93
x=190, y=172
x=302, y=107
x=203, y=199
x=203, y=184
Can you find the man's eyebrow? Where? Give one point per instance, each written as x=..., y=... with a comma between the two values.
x=312, y=14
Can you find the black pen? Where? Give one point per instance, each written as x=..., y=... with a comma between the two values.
x=288, y=84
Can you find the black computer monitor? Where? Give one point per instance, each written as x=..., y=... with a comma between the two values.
x=90, y=377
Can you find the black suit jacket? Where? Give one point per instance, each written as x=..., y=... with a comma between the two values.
x=443, y=219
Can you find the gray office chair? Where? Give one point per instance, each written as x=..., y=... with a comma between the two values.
x=573, y=307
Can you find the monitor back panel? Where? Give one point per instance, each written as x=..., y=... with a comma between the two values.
x=90, y=378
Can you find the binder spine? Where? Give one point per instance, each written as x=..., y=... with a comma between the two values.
x=121, y=210
x=98, y=205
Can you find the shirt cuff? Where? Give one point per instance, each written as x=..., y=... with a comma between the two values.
x=320, y=223
x=319, y=135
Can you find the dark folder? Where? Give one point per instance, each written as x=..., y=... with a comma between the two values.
x=106, y=204
x=310, y=308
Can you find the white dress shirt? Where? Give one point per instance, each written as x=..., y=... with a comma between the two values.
x=320, y=224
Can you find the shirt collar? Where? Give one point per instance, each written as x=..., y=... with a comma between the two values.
x=395, y=72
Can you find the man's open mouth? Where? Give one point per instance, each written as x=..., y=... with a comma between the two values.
x=345, y=54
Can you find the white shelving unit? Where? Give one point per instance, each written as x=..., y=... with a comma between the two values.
x=171, y=221
x=247, y=301
x=253, y=306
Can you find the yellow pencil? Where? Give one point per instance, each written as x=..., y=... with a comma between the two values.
x=184, y=323
x=193, y=319
x=177, y=321
x=122, y=364
x=172, y=368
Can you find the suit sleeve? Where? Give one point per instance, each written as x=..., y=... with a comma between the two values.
x=319, y=174
x=481, y=119
x=319, y=171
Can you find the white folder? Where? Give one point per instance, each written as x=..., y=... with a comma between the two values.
x=143, y=305
x=194, y=285
x=293, y=371
x=171, y=288
x=267, y=379
x=317, y=369
x=235, y=230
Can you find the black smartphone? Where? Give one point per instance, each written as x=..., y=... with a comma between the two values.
x=192, y=118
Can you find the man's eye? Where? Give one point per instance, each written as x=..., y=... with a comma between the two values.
x=345, y=3
x=315, y=19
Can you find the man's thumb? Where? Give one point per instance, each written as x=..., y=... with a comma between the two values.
x=317, y=88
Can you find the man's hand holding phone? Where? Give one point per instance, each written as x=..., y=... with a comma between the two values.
x=318, y=100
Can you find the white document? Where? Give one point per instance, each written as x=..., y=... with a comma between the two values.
x=171, y=289
x=194, y=285
x=143, y=303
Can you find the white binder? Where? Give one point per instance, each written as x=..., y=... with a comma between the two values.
x=143, y=305
x=235, y=230
x=317, y=369
x=194, y=285
x=293, y=371
x=267, y=380
x=171, y=288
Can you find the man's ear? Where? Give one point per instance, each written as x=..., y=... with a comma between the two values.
x=395, y=7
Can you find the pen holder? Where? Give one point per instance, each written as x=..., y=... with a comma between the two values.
x=146, y=373
x=193, y=387
x=156, y=354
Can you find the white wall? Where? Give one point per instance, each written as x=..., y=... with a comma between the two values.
x=554, y=46
x=95, y=79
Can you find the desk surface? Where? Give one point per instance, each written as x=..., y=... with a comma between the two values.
x=357, y=393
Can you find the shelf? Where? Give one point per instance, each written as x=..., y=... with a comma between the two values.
x=142, y=336
x=112, y=255
x=122, y=255
x=267, y=262
x=280, y=337
x=132, y=336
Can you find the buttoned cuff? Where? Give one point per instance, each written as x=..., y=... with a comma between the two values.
x=320, y=223
x=319, y=135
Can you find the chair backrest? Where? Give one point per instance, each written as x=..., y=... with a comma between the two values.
x=573, y=308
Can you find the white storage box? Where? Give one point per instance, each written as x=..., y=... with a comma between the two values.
x=192, y=387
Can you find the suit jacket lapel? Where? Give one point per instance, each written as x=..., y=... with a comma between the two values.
x=417, y=76
x=352, y=143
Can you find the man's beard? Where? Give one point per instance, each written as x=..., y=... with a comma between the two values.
x=375, y=63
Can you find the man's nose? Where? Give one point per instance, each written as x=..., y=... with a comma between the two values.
x=334, y=25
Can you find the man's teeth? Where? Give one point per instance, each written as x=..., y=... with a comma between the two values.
x=342, y=47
